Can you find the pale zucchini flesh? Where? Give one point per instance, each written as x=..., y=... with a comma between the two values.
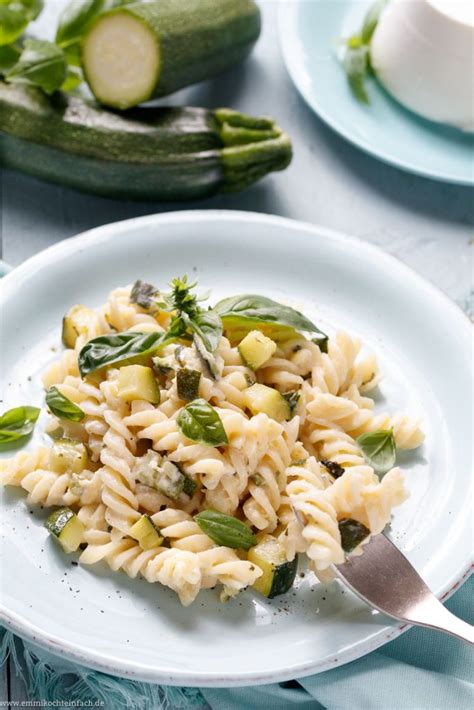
x=66, y=528
x=262, y=399
x=146, y=533
x=138, y=382
x=256, y=349
x=121, y=60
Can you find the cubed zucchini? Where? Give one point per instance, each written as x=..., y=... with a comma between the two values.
x=76, y=322
x=187, y=384
x=68, y=456
x=256, y=349
x=146, y=532
x=162, y=366
x=278, y=574
x=66, y=528
x=138, y=382
x=165, y=476
x=260, y=398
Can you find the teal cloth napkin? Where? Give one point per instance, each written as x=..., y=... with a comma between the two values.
x=421, y=670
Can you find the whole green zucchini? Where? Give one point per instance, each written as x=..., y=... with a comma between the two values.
x=136, y=52
x=146, y=153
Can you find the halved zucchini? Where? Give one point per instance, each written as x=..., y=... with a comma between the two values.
x=278, y=574
x=187, y=384
x=138, y=382
x=256, y=349
x=75, y=323
x=66, y=528
x=68, y=456
x=146, y=532
x=260, y=398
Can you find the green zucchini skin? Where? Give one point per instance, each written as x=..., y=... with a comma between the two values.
x=197, y=39
x=145, y=153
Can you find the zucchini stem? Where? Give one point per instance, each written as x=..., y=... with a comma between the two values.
x=252, y=147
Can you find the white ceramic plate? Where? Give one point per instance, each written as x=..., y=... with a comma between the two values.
x=309, y=34
x=130, y=628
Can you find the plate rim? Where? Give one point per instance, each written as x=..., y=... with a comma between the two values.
x=145, y=672
x=285, y=11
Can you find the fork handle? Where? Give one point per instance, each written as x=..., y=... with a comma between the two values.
x=430, y=612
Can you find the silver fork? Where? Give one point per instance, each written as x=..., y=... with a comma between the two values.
x=384, y=578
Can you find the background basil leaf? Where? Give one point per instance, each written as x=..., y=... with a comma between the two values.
x=109, y=349
x=75, y=18
x=259, y=309
x=62, y=407
x=9, y=55
x=379, y=449
x=17, y=423
x=74, y=78
x=208, y=326
x=41, y=64
x=225, y=530
x=356, y=65
x=13, y=22
x=371, y=20
x=200, y=422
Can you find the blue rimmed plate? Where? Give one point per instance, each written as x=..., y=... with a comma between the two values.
x=309, y=34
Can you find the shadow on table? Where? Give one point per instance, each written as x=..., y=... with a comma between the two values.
x=444, y=201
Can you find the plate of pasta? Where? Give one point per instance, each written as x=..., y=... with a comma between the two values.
x=203, y=412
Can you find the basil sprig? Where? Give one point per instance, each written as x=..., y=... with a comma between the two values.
x=41, y=64
x=356, y=60
x=62, y=407
x=225, y=530
x=110, y=349
x=379, y=449
x=249, y=311
x=190, y=319
x=17, y=424
x=200, y=422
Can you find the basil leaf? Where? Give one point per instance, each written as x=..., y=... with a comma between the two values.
x=200, y=422
x=208, y=326
x=259, y=309
x=225, y=530
x=144, y=295
x=371, y=20
x=17, y=423
x=207, y=359
x=74, y=78
x=379, y=449
x=62, y=407
x=356, y=65
x=41, y=64
x=13, y=22
x=31, y=8
x=9, y=55
x=352, y=533
x=109, y=349
x=75, y=19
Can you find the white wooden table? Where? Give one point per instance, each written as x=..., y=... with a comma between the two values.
x=426, y=224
